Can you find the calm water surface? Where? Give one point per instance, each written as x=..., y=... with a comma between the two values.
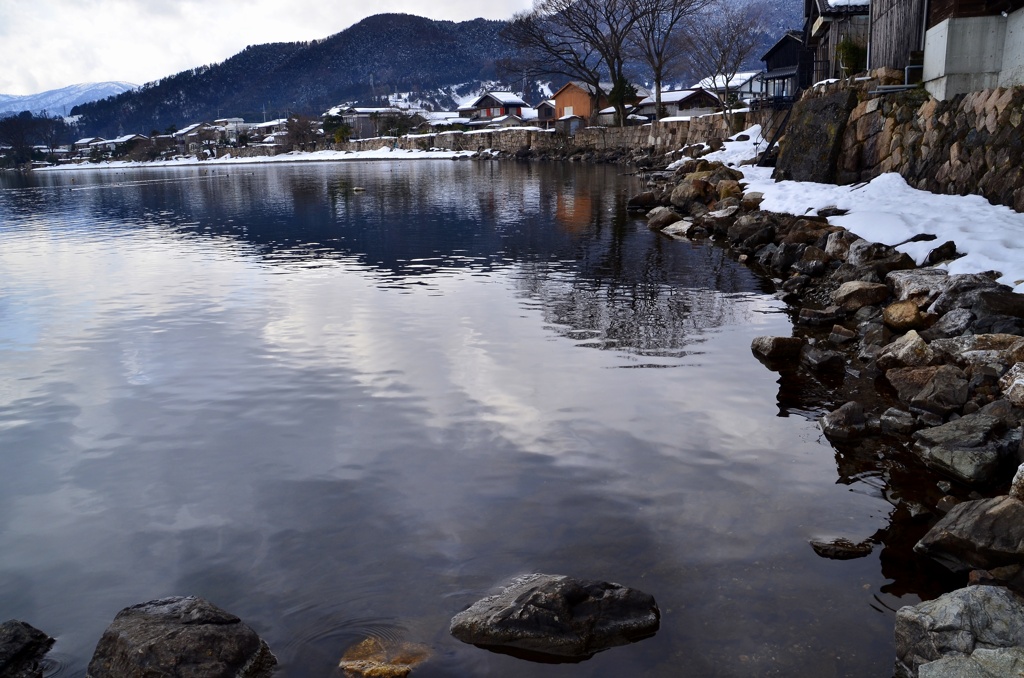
x=340, y=413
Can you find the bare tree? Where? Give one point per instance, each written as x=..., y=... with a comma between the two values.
x=52, y=131
x=302, y=132
x=655, y=40
x=581, y=39
x=720, y=39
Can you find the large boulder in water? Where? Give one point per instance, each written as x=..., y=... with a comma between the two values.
x=22, y=647
x=558, y=616
x=177, y=638
x=981, y=534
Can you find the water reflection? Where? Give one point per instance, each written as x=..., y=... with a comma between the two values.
x=344, y=413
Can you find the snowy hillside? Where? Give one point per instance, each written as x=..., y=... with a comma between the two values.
x=61, y=101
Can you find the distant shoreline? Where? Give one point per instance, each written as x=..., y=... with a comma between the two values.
x=384, y=153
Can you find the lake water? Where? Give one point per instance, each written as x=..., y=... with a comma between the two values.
x=341, y=413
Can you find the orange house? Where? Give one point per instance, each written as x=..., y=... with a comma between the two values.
x=574, y=98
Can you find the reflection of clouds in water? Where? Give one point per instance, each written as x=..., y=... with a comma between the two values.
x=134, y=366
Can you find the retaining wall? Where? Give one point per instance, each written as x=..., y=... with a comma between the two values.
x=970, y=144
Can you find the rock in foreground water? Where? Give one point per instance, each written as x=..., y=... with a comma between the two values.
x=177, y=638
x=558, y=616
x=21, y=649
x=956, y=625
x=383, y=658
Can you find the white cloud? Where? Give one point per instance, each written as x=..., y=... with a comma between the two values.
x=54, y=43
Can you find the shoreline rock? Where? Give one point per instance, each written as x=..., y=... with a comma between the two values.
x=179, y=636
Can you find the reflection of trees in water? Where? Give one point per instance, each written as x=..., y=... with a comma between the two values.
x=639, y=292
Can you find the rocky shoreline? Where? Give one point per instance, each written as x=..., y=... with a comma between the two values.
x=926, y=365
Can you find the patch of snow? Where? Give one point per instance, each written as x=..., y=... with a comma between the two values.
x=890, y=211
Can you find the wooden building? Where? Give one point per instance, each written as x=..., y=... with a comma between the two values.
x=897, y=33
x=492, y=105
x=953, y=46
x=899, y=27
x=836, y=31
x=683, y=102
x=788, y=69
x=546, y=113
x=576, y=98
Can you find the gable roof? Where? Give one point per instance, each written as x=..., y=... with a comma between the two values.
x=503, y=98
x=790, y=36
x=677, y=96
x=713, y=82
x=586, y=87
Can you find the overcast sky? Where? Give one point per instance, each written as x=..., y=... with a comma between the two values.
x=48, y=44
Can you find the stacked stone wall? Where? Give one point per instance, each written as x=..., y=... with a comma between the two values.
x=970, y=144
x=973, y=143
x=656, y=138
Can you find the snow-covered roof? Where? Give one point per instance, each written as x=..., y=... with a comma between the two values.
x=503, y=98
x=715, y=81
x=87, y=140
x=845, y=4
x=674, y=96
x=186, y=130
x=439, y=116
x=269, y=123
x=605, y=86
x=126, y=138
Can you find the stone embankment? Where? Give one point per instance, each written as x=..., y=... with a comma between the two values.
x=947, y=355
x=643, y=144
x=850, y=131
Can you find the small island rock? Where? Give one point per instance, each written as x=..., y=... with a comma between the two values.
x=558, y=616
x=178, y=637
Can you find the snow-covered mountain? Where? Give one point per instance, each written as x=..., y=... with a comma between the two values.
x=61, y=101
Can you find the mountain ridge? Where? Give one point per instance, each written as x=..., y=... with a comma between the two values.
x=60, y=101
x=364, y=63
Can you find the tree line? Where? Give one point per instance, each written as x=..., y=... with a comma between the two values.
x=592, y=41
x=23, y=132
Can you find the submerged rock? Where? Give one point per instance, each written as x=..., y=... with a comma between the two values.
x=378, y=658
x=179, y=637
x=841, y=549
x=558, y=616
x=957, y=624
x=22, y=648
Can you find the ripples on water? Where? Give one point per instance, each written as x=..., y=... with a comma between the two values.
x=344, y=414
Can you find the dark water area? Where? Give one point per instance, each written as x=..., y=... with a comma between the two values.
x=348, y=400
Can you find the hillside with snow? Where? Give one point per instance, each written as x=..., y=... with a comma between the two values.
x=427, y=63
x=60, y=101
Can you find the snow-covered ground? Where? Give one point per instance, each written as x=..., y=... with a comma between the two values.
x=889, y=211
x=383, y=153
